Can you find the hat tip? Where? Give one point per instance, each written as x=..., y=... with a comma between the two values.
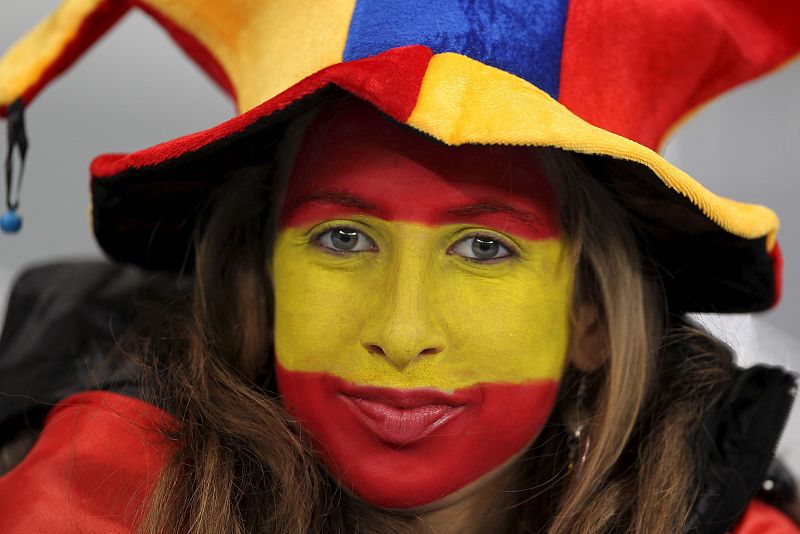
x=10, y=222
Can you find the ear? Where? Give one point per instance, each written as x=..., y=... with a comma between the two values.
x=588, y=347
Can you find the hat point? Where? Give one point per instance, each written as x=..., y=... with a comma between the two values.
x=10, y=223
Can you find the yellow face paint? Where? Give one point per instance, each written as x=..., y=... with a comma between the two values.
x=422, y=305
x=506, y=321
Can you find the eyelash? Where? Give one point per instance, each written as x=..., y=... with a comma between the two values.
x=510, y=249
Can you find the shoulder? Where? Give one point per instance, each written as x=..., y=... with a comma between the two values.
x=761, y=518
x=99, y=452
x=96, y=461
x=62, y=322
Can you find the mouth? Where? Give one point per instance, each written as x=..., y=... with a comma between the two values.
x=401, y=417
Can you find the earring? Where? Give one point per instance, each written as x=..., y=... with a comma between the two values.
x=578, y=443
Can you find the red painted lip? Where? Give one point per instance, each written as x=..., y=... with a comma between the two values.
x=401, y=417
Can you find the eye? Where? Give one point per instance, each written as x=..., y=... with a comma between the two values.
x=481, y=248
x=344, y=239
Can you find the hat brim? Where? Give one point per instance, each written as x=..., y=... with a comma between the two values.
x=714, y=254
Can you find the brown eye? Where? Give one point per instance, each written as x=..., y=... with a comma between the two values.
x=481, y=248
x=344, y=239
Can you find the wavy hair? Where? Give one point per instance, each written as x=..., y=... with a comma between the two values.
x=242, y=464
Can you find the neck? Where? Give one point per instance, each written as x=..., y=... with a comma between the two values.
x=480, y=507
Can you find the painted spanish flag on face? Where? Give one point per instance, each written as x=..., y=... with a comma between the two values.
x=422, y=303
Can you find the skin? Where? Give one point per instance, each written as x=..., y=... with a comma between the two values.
x=406, y=266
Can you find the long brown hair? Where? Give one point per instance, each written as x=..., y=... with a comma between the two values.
x=241, y=464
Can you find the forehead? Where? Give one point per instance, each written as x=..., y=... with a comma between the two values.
x=353, y=149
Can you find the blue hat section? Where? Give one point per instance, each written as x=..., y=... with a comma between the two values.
x=523, y=37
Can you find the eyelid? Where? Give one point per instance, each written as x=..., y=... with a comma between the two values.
x=330, y=224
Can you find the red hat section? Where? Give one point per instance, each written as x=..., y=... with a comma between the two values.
x=632, y=55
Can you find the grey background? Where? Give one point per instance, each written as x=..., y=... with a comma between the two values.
x=135, y=88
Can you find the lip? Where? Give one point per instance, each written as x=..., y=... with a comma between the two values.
x=401, y=417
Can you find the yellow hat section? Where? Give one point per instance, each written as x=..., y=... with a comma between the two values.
x=292, y=40
x=265, y=47
x=506, y=322
x=464, y=101
x=26, y=62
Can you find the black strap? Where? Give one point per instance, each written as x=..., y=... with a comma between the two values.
x=17, y=139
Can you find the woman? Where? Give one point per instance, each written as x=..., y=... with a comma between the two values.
x=428, y=301
x=464, y=337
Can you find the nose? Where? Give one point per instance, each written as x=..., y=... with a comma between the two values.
x=401, y=359
x=404, y=326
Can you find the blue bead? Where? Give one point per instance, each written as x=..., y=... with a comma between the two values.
x=10, y=223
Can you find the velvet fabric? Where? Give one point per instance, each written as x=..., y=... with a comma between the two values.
x=603, y=78
x=523, y=38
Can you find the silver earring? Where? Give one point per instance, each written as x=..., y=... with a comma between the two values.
x=578, y=442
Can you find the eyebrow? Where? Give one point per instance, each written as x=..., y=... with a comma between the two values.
x=351, y=201
x=339, y=198
x=526, y=217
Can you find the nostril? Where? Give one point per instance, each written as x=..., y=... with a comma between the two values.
x=400, y=358
x=375, y=349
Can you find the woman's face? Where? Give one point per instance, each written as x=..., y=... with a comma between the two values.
x=422, y=300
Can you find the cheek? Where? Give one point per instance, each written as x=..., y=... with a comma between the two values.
x=317, y=322
x=513, y=327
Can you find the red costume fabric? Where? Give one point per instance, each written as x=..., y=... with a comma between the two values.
x=761, y=518
x=95, y=463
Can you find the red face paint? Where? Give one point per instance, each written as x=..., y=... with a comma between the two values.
x=413, y=370
x=402, y=176
x=489, y=424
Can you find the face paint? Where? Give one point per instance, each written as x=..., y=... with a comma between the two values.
x=422, y=299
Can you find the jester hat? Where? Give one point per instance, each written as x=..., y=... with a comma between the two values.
x=606, y=79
